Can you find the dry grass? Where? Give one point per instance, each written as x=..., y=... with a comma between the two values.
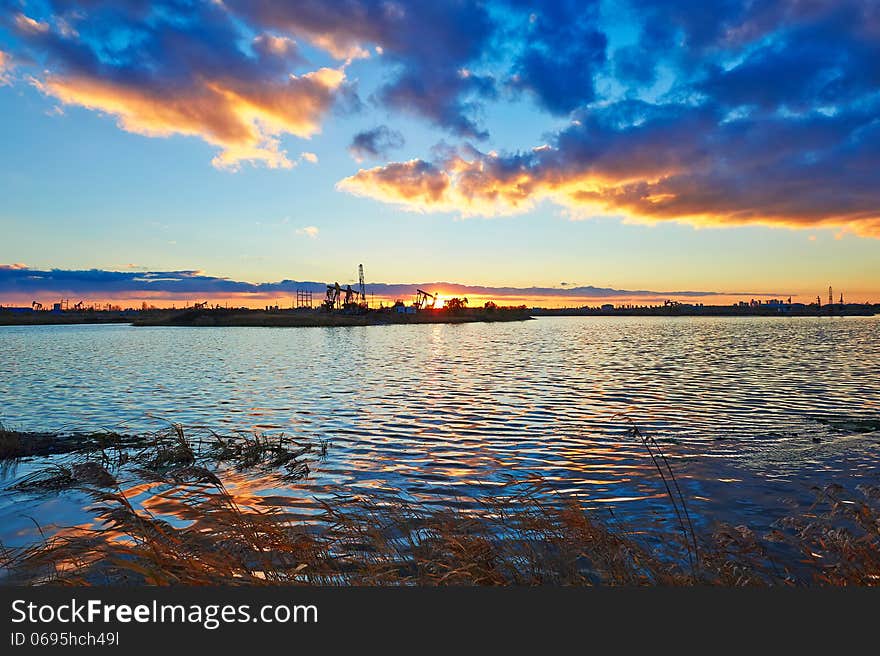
x=361, y=542
x=17, y=444
x=527, y=535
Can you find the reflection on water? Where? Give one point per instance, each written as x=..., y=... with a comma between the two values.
x=445, y=413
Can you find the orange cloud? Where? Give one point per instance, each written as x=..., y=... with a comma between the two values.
x=696, y=172
x=280, y=46
x=480, y=187
x=27, y=24
x=414, y=185
x=244, y=119
x=5, y=67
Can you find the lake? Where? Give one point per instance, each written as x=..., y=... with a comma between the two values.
x=751, y=411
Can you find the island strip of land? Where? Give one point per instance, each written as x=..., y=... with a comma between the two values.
x=275, y=316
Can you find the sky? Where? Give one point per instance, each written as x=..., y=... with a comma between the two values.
x=626, y=149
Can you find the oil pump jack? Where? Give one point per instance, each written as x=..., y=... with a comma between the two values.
x=351, y=299
x=348, y=298
x=36, y=305
x=422, y=300
x=332, y=302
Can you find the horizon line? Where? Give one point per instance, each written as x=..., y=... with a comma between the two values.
x=20, y=281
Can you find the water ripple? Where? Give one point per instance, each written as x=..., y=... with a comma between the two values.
x=442, y=411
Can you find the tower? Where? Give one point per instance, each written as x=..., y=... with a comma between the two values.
x=830, y=295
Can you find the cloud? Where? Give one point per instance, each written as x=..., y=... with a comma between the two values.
x=231, y=63
x=375, y=143
x=429, y=44
x=270, y=46
x=161, y=71
x=97, y=283
x=5, y=67
x=725, y=113
x=26, y=24
x=415, y=184
x=306, y=156
x=769, y=116
x=243, y=119
x=564, y=51
x=683, y=165
x=308, y=231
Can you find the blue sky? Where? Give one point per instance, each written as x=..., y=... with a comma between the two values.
x=633, y=145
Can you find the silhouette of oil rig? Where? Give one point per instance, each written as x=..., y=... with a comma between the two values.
x=840, y=302
x=348, y=298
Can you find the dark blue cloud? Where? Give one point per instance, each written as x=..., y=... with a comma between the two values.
x=21, y=281
x=729, y=111
x=635, y=66
x=178, y=68
x=770, y=43
x=830, y=60
x=164, y=43
x=377, y=142
x=564, y=50
x=429, y=44
x=445, y=58
x=769, y=113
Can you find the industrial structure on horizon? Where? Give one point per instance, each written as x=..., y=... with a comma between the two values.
x=352, y=299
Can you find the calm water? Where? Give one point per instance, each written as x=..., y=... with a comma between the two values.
x=445, y=412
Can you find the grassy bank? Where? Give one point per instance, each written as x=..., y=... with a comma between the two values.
x=525, y=535
x=8, y=318
x=221, y=317
x=319, y=318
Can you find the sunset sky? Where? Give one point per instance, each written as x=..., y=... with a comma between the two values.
x=729, y=146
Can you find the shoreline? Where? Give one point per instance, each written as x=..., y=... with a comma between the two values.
x=221, y=317
x=732, y=311
x=318, y=319
x=528, y=534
